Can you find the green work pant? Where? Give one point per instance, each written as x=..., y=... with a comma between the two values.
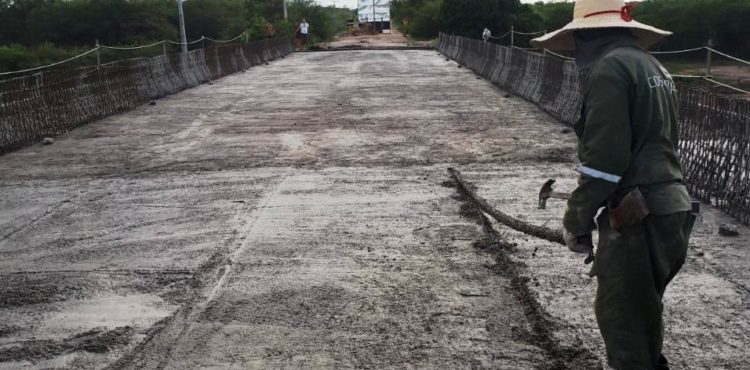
x=633, y=267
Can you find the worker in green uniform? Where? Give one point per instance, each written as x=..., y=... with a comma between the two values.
x=629, y=168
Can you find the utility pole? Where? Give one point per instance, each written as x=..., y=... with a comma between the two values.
x=183, y=36
x=286, y=14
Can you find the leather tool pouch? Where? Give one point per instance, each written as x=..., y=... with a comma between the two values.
x=630, y=211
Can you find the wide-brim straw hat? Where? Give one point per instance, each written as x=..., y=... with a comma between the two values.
x=592, y=14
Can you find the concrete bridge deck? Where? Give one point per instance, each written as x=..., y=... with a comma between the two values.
x=296, y=216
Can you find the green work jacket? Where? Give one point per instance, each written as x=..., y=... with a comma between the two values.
x=627, y=137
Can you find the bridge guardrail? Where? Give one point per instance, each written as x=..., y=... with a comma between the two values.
x=53, y=102
x=714, y=129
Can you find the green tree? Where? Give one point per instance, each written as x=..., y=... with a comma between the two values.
x=693, y=22
x=423, y=15
x=217, y=19
x=553, y=16
x=470, y=17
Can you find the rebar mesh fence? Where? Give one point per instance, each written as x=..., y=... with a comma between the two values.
x=55, y=101
x=714, y=129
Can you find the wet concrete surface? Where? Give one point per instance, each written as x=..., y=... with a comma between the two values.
x=294, y=216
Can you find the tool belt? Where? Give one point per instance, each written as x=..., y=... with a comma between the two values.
x=630, y=210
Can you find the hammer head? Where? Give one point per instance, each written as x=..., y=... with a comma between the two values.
x=545, y=193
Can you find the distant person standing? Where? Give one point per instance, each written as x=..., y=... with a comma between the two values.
x=304, y=29
x=270, y=31
x=297, y=36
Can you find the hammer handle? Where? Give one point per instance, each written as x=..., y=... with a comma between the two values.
x=558, y=195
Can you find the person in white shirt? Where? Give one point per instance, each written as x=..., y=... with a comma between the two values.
x=304, y=29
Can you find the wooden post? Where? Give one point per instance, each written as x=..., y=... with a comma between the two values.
x=512, y=39
x=708, y=58
x=98, y=54
x=164, y=47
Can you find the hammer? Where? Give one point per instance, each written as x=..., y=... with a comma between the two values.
x=547, y=193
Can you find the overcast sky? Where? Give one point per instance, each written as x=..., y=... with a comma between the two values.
x=353, y=3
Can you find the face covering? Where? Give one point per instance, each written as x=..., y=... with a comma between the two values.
x=595, y=43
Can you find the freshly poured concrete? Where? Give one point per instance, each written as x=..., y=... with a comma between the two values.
x=296, y=216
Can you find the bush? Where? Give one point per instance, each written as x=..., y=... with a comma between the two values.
x=15, y=57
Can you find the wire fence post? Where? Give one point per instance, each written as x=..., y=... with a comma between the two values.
x=512, y=39
x=98, y=53
x=203, y=42
x=164, y=47
x=708, y=58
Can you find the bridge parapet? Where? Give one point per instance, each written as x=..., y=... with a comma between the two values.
x=714, y=129
x=53, y=102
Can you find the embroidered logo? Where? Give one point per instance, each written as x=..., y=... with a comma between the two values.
x=663, y=81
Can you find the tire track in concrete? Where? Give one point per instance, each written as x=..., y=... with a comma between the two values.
x=212, y=276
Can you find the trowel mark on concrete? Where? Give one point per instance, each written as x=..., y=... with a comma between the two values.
x=190, y=137
x=292, y=141
x=50, y=210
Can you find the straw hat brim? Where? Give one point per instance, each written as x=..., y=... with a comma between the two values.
x=562, y=39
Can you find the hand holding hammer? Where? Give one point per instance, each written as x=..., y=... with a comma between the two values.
x=577, y=244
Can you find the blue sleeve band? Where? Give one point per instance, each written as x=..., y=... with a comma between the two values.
x=599, y=174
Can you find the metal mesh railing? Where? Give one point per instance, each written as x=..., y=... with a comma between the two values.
x=714, y=129
x=55, y=101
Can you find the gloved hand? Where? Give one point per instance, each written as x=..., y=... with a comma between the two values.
x=578, y=244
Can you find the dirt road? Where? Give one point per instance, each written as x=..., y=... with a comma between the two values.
x=298, y=216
